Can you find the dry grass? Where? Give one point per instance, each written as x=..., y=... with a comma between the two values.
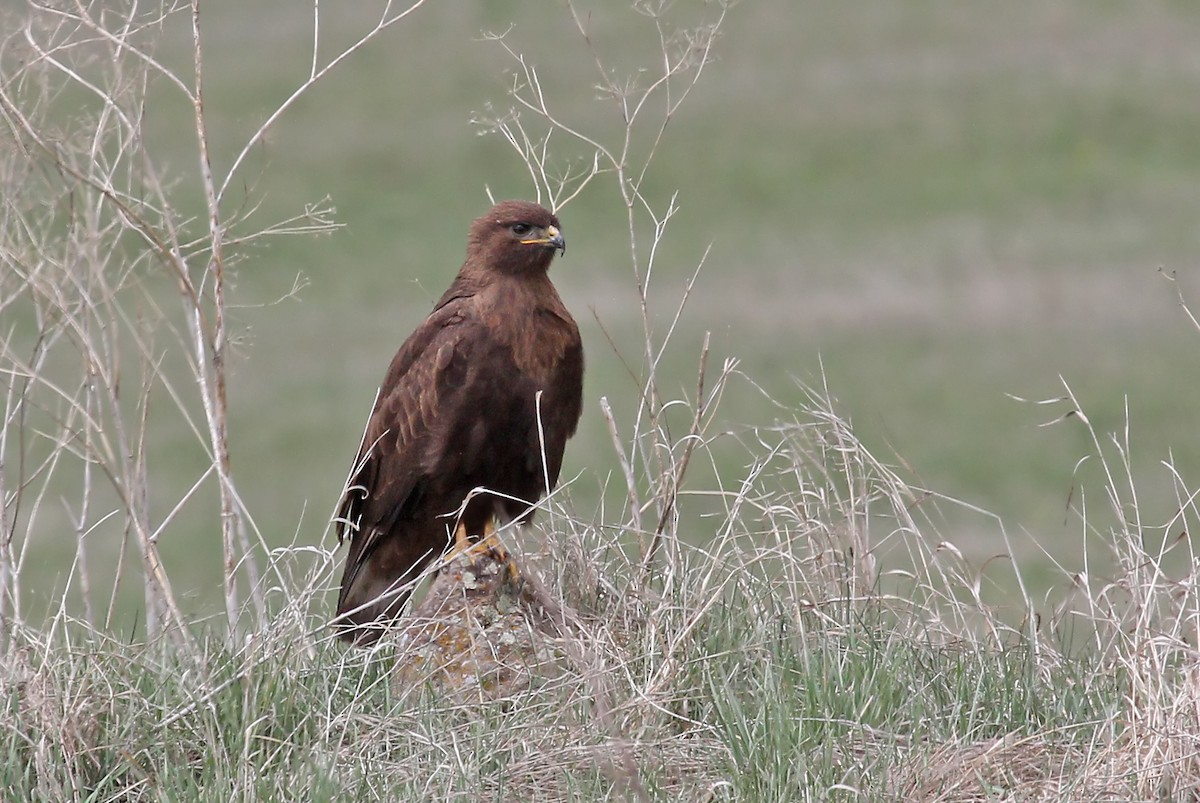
x=742, y=671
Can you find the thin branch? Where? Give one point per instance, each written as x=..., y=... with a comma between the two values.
x=386, y=20
x=212, y=373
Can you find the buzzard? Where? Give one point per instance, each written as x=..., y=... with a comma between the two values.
x=470, y=422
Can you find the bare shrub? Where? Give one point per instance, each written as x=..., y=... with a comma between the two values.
x=92, y=237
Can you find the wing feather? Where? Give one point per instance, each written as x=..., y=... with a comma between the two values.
x=389, y=471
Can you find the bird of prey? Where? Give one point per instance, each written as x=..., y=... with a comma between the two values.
x=483, y=395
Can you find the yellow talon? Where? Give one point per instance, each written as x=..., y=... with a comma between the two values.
x=491, y=543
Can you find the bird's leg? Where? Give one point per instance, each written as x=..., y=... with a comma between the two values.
x=489, y=539
x=462, y=541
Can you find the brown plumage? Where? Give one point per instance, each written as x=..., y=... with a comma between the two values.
x=458, y=410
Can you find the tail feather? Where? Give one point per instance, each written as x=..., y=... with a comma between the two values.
x=380, y=574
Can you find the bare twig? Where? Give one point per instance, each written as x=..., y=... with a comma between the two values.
x=635, y=506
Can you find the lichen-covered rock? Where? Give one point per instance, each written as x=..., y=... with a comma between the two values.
x=485, y=629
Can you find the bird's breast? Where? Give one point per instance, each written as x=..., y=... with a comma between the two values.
x=540, y=343
x=534, y=326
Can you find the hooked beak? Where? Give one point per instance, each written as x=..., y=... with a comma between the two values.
x=551, y=237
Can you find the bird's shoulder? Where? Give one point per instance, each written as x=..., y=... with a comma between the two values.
x=474, y=331
x=450, y=321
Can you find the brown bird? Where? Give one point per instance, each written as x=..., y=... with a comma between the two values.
x=483, y=395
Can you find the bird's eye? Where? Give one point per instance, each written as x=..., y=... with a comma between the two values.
x=520, y=229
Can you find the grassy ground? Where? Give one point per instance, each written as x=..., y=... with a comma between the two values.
x=773, y=665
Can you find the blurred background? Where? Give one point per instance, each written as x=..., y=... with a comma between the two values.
x=924, y=207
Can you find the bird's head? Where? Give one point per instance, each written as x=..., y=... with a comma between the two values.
x=516, y=237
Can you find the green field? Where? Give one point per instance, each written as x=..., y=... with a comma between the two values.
x=939, y=205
